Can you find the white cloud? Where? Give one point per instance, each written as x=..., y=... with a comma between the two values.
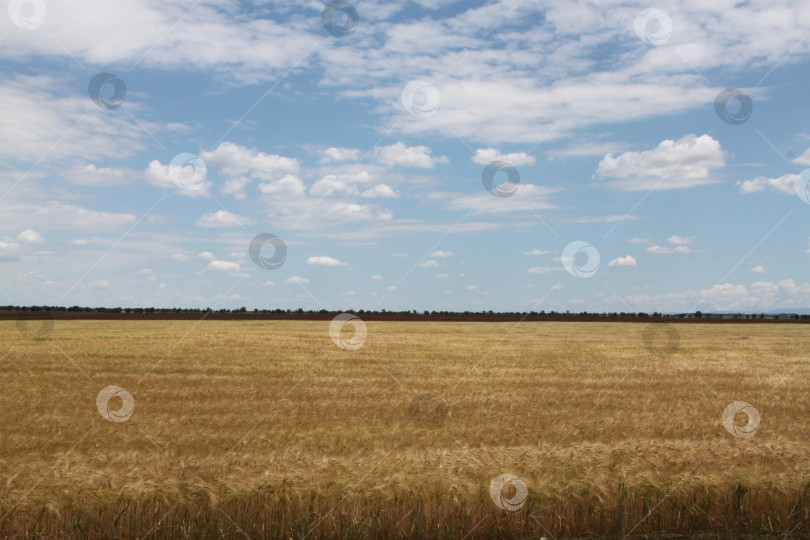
x=236, y=160
x=206, y=256
x=429, y=264
x=377, y=277
x=759, y=270
x=379, y=191
x=442, y=254
x=90, y=175
x=100, y=284
x=803, y=159
x=331, y=184
x=485, y=156
x=684, y=163
x=662, y=250
x=223, y=266
x=680, y=240
x=759, y=296
x=29, y=236
x=399, y=154
x=296, y=280
x=235, y=187
x=641, y=241
x=181, y=257
x=784, y=184
x=521, y=106
x=159, y=175
x=627, y=261
x=168, y=37
x=471, y=287
x=46, y=116
x=348, y=293
x=58, y=215
x=540, y=270
x=269, y=283
x=8, y=250
x=339, y=155
x=578, y=149
x=526, y=198
x=223, y=218
x=537, y=252
x=287, y=186
x=323, y=260
x=441, y=276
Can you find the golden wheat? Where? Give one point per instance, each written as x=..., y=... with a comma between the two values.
x=271, y=430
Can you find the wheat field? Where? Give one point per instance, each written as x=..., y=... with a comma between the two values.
x=270, y=429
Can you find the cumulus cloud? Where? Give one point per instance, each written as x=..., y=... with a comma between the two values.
x=323, y=260
x=205, y=256
x=784, y=184
x=537, y=252
x=399, y=154
x=429, y=264
x=331, y=184
x=30, y=236
x=235, y=187
x=223, y=219
x=758, y=296
x=627, y=261
x=759, y=270
x=339, y=155
x=160, y=175
x=287, y=186
x=379, y=191
x=296, y=280
x=485, y=156
x=223, y=266
x=376, y=277
x=442, y=254
x=540, y=270
x=236, y=160
x=684, y=163
x=804, y=158
x=680, y=240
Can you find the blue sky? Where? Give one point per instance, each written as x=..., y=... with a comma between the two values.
x=364, y=154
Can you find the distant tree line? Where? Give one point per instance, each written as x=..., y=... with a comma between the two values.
x=412, y=313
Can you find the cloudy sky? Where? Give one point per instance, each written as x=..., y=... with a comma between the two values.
x=506, y=155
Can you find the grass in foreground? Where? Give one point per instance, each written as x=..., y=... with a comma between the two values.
x=271, y=430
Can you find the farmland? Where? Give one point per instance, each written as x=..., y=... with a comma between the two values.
x=275, y=429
